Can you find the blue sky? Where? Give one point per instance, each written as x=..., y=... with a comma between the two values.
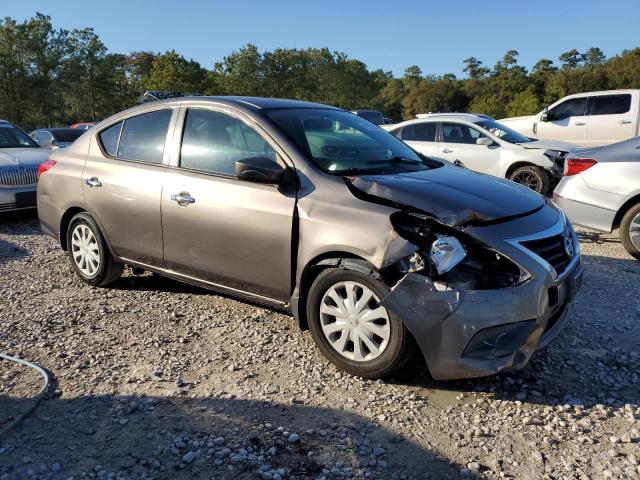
x=436, y=36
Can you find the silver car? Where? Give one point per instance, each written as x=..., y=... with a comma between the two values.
x=315, y=211
x=20, y=158
x=601, y=190
x=53, y=138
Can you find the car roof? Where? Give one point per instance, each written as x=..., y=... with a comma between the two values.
x=258, y=103
x=472, y=117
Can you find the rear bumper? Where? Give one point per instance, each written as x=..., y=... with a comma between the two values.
x=17, y=198
x=465, y=334
x=586, y=215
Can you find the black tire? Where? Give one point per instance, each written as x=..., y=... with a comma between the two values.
x=631, y=222
x=532, y=177
x=108, y=269
x=399, y=348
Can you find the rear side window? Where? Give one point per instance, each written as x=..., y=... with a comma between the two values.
x=574, y=107
x=610, y=104
x=143, y=137
x=213, y=142
x=459, y=133
x=423, y=132
x=109, y=138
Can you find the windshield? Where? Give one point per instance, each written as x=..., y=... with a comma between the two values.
x=13, y=137
x=67, y=135
x=502, y=132
x=341, y=143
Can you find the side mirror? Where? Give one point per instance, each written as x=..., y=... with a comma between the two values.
x=545, y=115
x=259, y=170
x=47, y=142
x=484, y=141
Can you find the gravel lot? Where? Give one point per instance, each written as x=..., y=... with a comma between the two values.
x=156, y=379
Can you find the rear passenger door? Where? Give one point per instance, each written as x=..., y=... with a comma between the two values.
x=122, y=182
x=231, y=233
x=611, y=119
x=421, y=137
x=458, y=146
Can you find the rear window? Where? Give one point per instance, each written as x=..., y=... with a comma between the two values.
x=143, y=137
x=68, y=135
x=610, y=104
x=372, y=115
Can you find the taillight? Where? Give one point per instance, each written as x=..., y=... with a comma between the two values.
x=574, y=166
x=44, y=166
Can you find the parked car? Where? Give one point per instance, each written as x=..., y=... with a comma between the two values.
x=52, y=138
x=20, y=157
x=601, y=190
x=311, y=209
x=484, y=145
x=588, y=119
x=83, y=125
x=374, y=116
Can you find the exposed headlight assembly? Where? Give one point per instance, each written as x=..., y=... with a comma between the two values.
x=446, y=252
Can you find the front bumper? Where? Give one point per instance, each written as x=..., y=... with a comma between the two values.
x=17, y=198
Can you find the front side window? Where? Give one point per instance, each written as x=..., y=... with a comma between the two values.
x=12, y=137
x=574, y=107
x=610, y=104
x=143, y=137
x=213, y=142
x=341, y=143
x=421, y=132
x=502, y=132
x=460, y=133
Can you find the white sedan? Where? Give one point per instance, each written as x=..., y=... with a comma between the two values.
x=480, y=143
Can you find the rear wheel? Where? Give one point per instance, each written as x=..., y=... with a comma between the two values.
x=351, y=328
x=532, y=177
x=630, y=231
x=88, y=252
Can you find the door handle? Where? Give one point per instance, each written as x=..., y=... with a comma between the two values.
x=580, y=123
x=625, y=122
x=447, y=150
x=183, y=198
x=93, y=182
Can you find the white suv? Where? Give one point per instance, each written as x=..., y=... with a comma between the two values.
x=480, y=143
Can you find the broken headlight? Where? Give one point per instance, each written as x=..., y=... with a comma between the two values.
x=452, y=259
x=446, y=253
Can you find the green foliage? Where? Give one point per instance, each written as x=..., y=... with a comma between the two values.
x=50, y=76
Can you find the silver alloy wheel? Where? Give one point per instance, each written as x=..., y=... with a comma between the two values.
x=353, y=322
x=634, y=231
x=85, y=250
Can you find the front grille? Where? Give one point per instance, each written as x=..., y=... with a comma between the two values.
x=552, y=250
x=18, y=177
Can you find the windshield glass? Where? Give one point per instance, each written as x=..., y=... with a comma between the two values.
x=12, y=137
x=502, y=132
x=372, y=115
x=67, y=135
x=341, y=143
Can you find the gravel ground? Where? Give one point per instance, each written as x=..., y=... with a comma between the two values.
x=155, y=379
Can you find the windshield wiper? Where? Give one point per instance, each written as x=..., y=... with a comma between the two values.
x=393, y=160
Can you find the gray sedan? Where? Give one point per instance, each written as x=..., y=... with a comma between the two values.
x=601, y=190
x=20, y=158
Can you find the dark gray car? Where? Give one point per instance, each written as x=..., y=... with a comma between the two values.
x=313, y=210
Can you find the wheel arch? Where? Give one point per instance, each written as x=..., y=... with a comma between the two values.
x=337, y=259
x=626, y=206
x=520, y=163
x=66, y=220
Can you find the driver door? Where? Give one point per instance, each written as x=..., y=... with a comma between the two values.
x=458, y=146
x=228, y=232
x=566, y=121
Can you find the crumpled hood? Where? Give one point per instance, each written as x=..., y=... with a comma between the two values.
x=27, y=157
x=456, y=196
x=549, y=144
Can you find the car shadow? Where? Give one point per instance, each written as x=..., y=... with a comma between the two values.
x=127, y=436
x=593, y=359
x=21, y=222
x=591, y=236
x=11, y=251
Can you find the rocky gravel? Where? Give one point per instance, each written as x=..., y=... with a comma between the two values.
x=156, y=379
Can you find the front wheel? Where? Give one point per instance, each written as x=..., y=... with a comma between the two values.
x=88, y=252
x=630, y=231
x=350, y=326
x=532, y=177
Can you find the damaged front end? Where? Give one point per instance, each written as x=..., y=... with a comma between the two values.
x=472, y=310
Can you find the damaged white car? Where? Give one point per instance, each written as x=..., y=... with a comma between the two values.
x=480, y=143
x=378, y=251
